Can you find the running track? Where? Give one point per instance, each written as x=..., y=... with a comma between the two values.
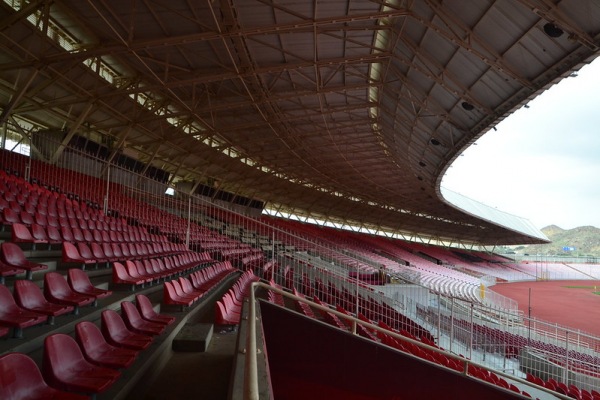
x=551, y=301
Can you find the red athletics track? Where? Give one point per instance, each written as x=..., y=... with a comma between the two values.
x=551, y=301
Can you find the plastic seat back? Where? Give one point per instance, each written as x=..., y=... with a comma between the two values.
x=56, y=286
x=60, y=357
x=116, y=249
x=28, y=295
x=132, y=269
x=87, y=236
x=10, y=216
x=84, y=251
x=26, y=218
x=39, y=233
x=113, y=326
x=70, y=253
x=89, y=337
x=40, y=217
x=97, y=251
x=12, y=254
x=79, y=280
x=20, y=233
x=20, y=378
x=65, y=367
x=108, y=251
x=7, y=301
x=120, y=275
x=144, y=306
x=131, y=315
x=132, y=249
x=97, y=236
x=53, y=234
x=125, y=250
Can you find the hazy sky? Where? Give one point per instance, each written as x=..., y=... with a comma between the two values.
x=543, y=162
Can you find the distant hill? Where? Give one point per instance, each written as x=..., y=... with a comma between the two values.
x=584, y=240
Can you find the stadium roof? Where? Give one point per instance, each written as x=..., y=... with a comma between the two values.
x=347, y=111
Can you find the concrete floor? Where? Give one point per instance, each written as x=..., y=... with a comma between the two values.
x=194, y=375
x=188, y=375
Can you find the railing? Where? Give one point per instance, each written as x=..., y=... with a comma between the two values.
x=251, y=384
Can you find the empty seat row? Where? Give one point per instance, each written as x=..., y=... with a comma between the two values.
x=38, y=233
x=436, y=357
x=30, y=306
x=185, y=291
x=98, y=253
x=154, y=270
x=19, y=195
x=373, y=309
x=568, y=390
x=12, y=212
x=88, y=363
x=228, y=309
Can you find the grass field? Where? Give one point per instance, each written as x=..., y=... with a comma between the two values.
x=592, y=288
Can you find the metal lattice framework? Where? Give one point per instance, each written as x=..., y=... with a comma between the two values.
x=349, y=111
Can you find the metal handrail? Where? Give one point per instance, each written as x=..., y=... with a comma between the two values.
x=251, y=387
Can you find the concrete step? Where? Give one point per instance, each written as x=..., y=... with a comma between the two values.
x=193, y=337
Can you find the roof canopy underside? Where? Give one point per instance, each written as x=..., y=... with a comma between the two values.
x=346, y=110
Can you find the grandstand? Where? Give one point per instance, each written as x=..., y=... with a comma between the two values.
x=241, y=200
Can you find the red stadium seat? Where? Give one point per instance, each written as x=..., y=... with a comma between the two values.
x=225, y=314
x=10, y=216
x=147, y=312
x=13, y=316
x=21, y=379
x=98, y=351
x=133, y=271
x=66, y=233
x=29, y=296
x=70, y=254
x=116, y=333
x=13, y=255
x=86, y=253
x=170, y=297
x=54, y=236
x=134, y=321
x=21, y=234
x=65, y=368
x=40, y=235
x=80, y=283
x=26, y=218
x=57, y=290
x=121, y=276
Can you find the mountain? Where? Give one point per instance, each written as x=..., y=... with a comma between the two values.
x=583, y=240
